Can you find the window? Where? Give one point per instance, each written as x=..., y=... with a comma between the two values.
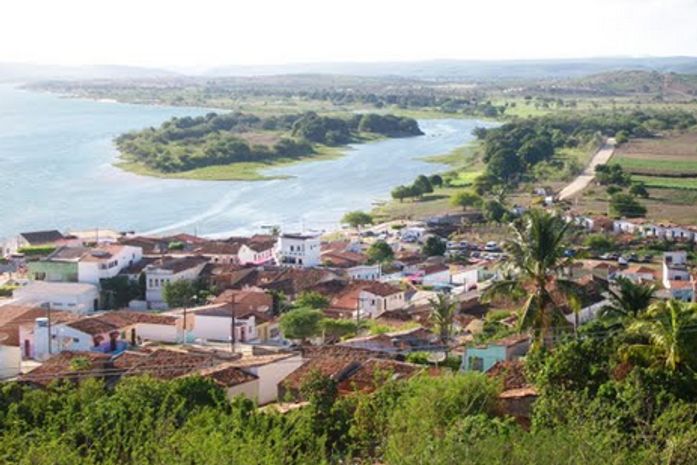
x=476, y=363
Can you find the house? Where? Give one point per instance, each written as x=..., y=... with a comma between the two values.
x=257, y=250
x=299, y=250
x=483, y=357
x=675, y=267
x=372, y=373
x=70, y=366
x=354, y=264
x=432, y=275
x=85, y=265
x=169, y=270
x=638, y=273
x=214, y=322
x=108, y=332
x=270, y=370
x=75, y=297
x=233, y=380
x=468, y=277
x=624, y=226
x=397, y=342
x=15, y=346
x=33, y=239
x=335, y=362
x=219, y=251
x=682, y=290
x=371, y=298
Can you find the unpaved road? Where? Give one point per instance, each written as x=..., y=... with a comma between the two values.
x=601, y=157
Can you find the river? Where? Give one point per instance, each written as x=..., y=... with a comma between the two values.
x=56, y=172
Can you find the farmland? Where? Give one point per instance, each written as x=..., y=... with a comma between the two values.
x=670, y=155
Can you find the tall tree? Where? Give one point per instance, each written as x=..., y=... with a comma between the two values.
x=356, y=219
x=628, y=299
x=669, y=331
x=534, y=274
x=443, y=311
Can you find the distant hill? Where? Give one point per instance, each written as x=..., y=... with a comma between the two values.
x=626, y=83
x=10, y=72
x=471, y=70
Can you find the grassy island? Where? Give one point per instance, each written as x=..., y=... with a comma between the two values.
x=236, y=146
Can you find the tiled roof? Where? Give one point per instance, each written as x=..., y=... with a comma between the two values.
x=61, y=366
x=332, y=361
x=373, y=372
x=218, y=248
x=511, y=373
x=42, y=237
x=117, y=320
x=12, y=317
x=170, y=364
x=227, y=375
x=177, y=264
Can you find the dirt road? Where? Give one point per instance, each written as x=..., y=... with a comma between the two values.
x=601, y=157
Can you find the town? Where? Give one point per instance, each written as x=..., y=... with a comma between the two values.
x=258, y=314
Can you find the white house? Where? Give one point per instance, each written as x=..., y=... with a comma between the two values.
x=301, y=250
x=214, y=322
x=106, y=262
x=270, y=371
x=258, y=250
x=467, y=277
x=74, y=297
x=169, y=270
x=108, y=332
x=378, y=298
x=434, y=275
x=675, y=267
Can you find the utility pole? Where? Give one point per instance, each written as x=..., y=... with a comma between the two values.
x=48, y=315
x=232, y=323
x=184, y=325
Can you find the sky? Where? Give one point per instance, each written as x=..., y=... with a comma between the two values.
x=208, y=33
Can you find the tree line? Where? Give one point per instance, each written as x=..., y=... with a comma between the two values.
x=182, y=144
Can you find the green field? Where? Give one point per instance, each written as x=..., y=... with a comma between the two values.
x=667, y=183
x=656, y=165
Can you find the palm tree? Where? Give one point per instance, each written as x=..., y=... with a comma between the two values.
x=535, y=273
x=628, y=299
x=669, y=331
x=443, y=311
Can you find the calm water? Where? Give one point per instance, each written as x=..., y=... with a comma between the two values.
x=56, y=171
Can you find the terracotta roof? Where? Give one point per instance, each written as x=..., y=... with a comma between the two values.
x=374, y=372
x=223, y=310
x=177, y=264
x=431, y=269
x=332, y=361
x=102, y=253
x=227, y=375
x=517, y=393
x=640, y=269
x=60, y=366
x=246, y=298
x=511, y=373
x=117, y=320
x=170, y=364
x=677, y=284
x=343, y=259
x=12, y=317
x=218, y=248
x=511, y=340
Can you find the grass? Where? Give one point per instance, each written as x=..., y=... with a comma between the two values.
x=667, y=183
x=247, y=171
x=437, y=203
x=672, y=154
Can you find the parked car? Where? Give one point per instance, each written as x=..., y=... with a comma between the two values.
x=492, y=246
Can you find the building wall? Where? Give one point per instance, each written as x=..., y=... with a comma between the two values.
x=303, y=252
x=250, y=390
x=272, y=374
x=442, y=277
x=246, y=255
x=93, y=271
x=53, y=271
x=155, y=281
x=79, y=302
x=488, y=355
x=365, y=272
x=155, y=332
x=217, y=328
x=10, y=361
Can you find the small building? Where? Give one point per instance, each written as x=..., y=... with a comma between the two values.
x=169, y=270
x=270, y=370
x=74, y=297
x=298, y=250
x=675, y=267
x=483, y=357
x=257, y=250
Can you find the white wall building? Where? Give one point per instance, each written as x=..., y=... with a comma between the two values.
x=106, y=262
x=271, y=370
x=675, y=267
x=74, y=297
x=301, y=250
x=169, y=270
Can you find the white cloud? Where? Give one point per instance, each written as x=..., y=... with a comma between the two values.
x=209, y=33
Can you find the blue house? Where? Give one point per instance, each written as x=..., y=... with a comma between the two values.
x=483, y=357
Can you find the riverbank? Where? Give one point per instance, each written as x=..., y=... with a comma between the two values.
x=243, y=171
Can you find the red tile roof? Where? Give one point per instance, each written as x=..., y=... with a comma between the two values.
x=117, y=320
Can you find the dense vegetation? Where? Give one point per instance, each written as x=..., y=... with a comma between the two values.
x=182, y=144
x=512, y=150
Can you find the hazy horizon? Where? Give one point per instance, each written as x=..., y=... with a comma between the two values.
x=159, y=34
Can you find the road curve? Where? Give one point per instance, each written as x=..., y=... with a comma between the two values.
x=601, y=157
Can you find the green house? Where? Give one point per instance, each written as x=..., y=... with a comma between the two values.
x=52, y=270
x=483, y=357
